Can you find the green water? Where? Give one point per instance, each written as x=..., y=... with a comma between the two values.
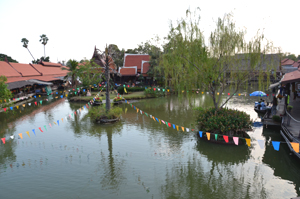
x=137, y=157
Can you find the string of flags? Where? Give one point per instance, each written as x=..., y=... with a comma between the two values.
x=276, y=144
x=57, y=122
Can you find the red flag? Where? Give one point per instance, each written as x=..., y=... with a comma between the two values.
x=3, y=140
x=4, y=109
x=225, y=138
x=75, y=113
x=35, y=103
x=154, y=89
x=228, y=93
x=169, y=124
x=40, y=129
x=267, y=95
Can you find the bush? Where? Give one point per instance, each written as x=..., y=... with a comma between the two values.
x=130, y=89
x=99, y=112
x=289, y=107
x=116, y=99
x=154, y=93
x=224, y=121
x=276, y=118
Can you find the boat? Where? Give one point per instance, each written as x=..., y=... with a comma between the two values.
x=288, y=137
x=260, y=111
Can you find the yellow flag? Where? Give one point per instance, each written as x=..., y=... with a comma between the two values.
x=168, y=90
x=125, y=90
x=39, y=96
x=159, y=121
x=153, y=118
x=137, y=110
x=23, y=105
x=28, y=133
x=202, y=92
x=66, y=95
x=295, y=146
x=56, y=97
x=17, y=107
x=20, y=134
x=208, y=135
x=182, y=128
x=239, y=94
x=177, y=127
x=54, y=122
x=217, y=93
x=248, y=141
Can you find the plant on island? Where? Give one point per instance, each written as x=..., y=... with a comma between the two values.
x=223, y=121
x=117, y=99
x=98, y=113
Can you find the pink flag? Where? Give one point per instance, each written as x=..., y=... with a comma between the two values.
x=236, y=140
x=225, y=138
x=50, y=125
x=163, y=121
x=3, y=140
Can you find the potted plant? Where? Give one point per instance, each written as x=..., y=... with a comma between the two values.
x=98, y=101
x=117, y=100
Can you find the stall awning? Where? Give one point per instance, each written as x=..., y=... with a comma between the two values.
x=18, y=84
x=274, y=85
x=40, y=82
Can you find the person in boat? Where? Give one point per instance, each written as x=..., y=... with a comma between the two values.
x=262, y=104
x=88, y=93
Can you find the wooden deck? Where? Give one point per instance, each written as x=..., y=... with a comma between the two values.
x=294, y=127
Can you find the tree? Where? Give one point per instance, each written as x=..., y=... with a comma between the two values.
x=72, y=67
x=292, y=57
x=2, y=58
x=5, y=93
x=90, y=73
x=44, y=39
x=188, y=63
x=118, y=55
x=25, y=45
x=44, y=59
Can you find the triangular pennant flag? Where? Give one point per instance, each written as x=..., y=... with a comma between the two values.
x=45, y=127
x=20, y=134
x=41, y=101
x=174, y=126
x=12, y=137
x=58, y=121
x=276, y=145
x=153, y=118
x=248, y=141
x=163, y=121
x=72, y=115
x=134, y=107
x=4, y=109
x=61, y=96
x=225, y=138
x=236, y=140
x=216, y=136
x=11, y=108
x=187, y=130
x=28, y=133
x=35, y=103
x=261, y=143
x=75, y=113
x=141, y=111
x=33, y=130
x=177, y=127
x=182, y=128
x=54, y=122
x=159, y=121
x=17, y=107
x=50, y=125
x=208, y=135
x=3, y=140
x=137, y=110
x=41, y=129
x=295, y=146
x=29, y=104
x=169, y=124
x=200, y=133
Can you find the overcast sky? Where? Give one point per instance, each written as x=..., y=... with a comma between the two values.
x=75, y=27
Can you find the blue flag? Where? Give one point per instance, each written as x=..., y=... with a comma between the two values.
x=134, y=107
x=56, y=93
x=33, y=130
x=34, y=96
x=83, y=90
x=174, y=126
x=276, y=145
x=157, y=119
x=11, y=108
x=61, y=96
x=58, y=122
x=200, y=133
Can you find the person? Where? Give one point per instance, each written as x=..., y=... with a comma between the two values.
x=263, y=105
x=88, y=93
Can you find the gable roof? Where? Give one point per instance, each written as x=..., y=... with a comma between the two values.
x=296, y=64
x=145, y=67
x=291, y=77
x=46, y=70
x=25, y=69
x=135, y=60
x=8, y=71
x=287, y=61
x=128, y=71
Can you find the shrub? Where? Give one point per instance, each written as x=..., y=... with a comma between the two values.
x=99, y=112
x=224, y=121
x=276, y=118
x=116, y=99
x=289, y=107
x=154, y=93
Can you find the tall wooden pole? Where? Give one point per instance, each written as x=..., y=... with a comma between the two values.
x=107, y=76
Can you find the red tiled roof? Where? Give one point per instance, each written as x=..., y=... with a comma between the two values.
x=50, y=64
x=135, y=60
x=17, y=79
x=287, y=62
x=46, y=70
x=291, y=77
x=296, y=64
x=7, y=70
x=25, y=69
x=128, y=71
x=146, y=67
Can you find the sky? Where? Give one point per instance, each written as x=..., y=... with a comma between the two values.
x=74, y=27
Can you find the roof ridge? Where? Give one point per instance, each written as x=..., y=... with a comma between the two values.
x=15, y=69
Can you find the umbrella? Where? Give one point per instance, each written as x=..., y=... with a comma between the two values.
x=259, y=94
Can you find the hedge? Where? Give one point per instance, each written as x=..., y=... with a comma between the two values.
x=130, y=89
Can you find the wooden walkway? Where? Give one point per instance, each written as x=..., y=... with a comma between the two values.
x=294, y=126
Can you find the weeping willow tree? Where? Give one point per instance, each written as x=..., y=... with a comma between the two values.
x=228, y=60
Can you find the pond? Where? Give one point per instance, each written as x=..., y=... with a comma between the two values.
x=137, y=157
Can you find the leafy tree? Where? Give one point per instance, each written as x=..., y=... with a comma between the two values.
x=90, y=73
x=292, y=57
x=25, y=45
x=5, y=93
x=298, y=58
x=72, y=68
x=47, y=59
x=118, y=55
x=189, y=63
x=44, y=39
x=2, y=58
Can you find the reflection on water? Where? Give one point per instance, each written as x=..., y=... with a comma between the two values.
x=137, y=157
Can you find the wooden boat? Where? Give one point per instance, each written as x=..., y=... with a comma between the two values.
x=260, y=111
x=289, y=138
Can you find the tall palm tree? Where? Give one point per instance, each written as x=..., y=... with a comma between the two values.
x=25, y=45
x=44, y=39
x=72, y=68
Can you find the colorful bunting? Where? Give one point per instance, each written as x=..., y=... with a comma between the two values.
x=4, y=109
x=261, y=143
x=236, y=140
x=295, y=146
x=169, y=124
x=200, y=133
x=41, y=129
x=11, y=108
x=45, y=127
x=248, y=141
x=208, y=135
x=182, y=128
x=174, y=126
x=216, y=136
x=28, y=133
x=58, y=121
x=33, y=130
x=3, y=140
x=225, y=138
x=20, y=134
x=12, y=137
x=276, y=145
